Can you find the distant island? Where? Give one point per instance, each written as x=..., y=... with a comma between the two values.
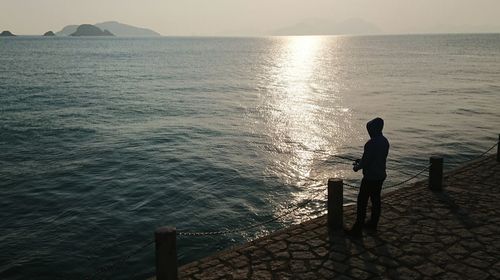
x=116, y=28
x=90, y=30
x=6, y=34
x=49, y=34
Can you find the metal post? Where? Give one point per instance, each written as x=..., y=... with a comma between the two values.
x=498, y=149
x=335, y=203
x=166, y=253
x=436, y=173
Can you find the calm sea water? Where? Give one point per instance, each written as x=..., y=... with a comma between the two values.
x=103, y=140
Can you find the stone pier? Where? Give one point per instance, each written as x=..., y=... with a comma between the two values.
x=453, y=234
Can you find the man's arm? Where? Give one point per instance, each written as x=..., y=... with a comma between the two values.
x=367, y=157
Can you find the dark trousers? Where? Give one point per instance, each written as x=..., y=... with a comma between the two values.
x=369, y=189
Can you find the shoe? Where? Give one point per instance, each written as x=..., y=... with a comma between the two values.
x=353, y=232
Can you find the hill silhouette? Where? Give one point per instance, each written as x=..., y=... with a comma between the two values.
x=6, y=33
x=118, y=29
x=90, y=30
x=125, y=30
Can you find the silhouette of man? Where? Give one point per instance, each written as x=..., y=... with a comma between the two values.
x=373, y=165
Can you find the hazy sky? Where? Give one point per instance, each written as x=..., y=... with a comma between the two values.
x=251, y=17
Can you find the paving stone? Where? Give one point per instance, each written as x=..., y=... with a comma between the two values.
x=343, y=277
x=298, y=247
x=240, y=274
x=326, y=273
x=297, y=266
x=313, y=243
x=358, y=274
x=457, y=250
x=429, y=269
x=209, y=264
x=471, y=245
x=448, y=239
x=423, y=238
x=441, y=258
x=315, y=264
x=448, y=275
x=403, y=273
x=279, y=237
x=336, y=266
x=412, y=260
x=303, y=255
x=337, y=256
x=239, y=262
x=321, y=252
x=277, y=265
x=307, y=276
x=388, y=262
x=284, y=276
x=282, y=255
x=484, y=256
x=295, y=239
x=261, y=274
x=277, y=246
x=467, y=271
x=477, y=262
x=495, y=274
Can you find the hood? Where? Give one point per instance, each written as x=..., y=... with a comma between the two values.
x=375, y=127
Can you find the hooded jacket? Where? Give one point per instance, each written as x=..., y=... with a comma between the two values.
x=375, y=152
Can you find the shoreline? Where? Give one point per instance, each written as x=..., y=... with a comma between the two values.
x=422, y=233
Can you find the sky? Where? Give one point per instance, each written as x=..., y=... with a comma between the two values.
x=252, y=17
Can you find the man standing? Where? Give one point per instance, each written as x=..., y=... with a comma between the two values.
x=373, y=164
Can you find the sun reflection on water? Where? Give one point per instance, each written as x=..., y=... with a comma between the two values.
x=295, y=104
x=299, y=100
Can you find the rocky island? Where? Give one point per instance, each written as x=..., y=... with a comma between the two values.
x=49, y=34
x=6, y=34
x=117, y=28
x=90, y=30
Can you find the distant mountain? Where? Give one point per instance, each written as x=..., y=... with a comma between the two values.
x=118, y=29
x=49, y=33
x=325, y=27
x=90, y=30
x=125, y=30
x=6, y=34
x=67, y=30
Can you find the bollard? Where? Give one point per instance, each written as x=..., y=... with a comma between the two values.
x=335, y=204
x=166, y=253
x=498, y=149
x=436, y=173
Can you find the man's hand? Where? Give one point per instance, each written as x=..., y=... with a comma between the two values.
x=355, y=166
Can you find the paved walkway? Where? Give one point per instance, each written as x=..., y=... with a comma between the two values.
x=454, y=234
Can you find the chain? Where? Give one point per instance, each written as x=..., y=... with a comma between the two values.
x=351, y=186
x=409, y=179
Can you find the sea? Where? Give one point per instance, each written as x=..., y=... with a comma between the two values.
x=104, y=140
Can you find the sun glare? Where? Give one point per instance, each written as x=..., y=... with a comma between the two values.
x=294, y=103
